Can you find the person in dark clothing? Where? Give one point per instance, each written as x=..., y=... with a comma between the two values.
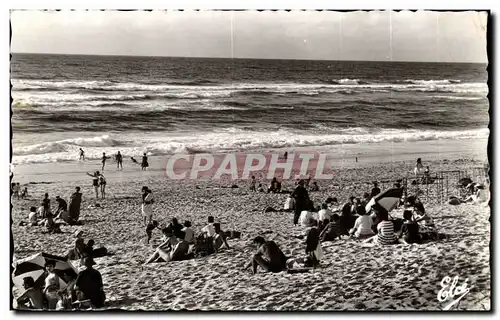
x=275, y=186
x=46, y=205
x=144, y=164
x=409, y=230
x=269, y=256
x=62, y=205
x=119, y=160
x=89, y=284
x=302, y=203
x=176, y=228
x=74, y=206
x=312, y=242
x=375, y=190
x=332, y=230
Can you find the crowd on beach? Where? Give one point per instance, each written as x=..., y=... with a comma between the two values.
x=360, y=219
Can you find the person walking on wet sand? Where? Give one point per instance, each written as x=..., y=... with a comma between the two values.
x=144, y=164
x=82, y=154
x=269, y=256
x=119, y=160
x=301, y=197
x=104, y=158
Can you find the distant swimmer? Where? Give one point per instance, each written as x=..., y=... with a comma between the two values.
x=119, y=160
x=104, y=158
x=144, y=164
x=82, y=154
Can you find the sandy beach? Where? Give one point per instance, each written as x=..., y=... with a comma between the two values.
x=351, y=277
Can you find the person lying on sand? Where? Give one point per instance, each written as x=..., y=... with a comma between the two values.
x=332, y=230
x=133, y=160
x=409, y=230
x=172, y=249
x=32, y=298
x=89, y=284
x=363, y=225
x=268, y=256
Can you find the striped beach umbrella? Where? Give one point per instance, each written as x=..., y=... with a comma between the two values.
x=34, y=266
x=388, y=199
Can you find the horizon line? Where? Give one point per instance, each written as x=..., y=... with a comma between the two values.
x=237, y=58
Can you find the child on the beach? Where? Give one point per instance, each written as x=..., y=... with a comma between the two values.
x=409, y=230
x=102, y=184
x=252, y=184
x=149, y=229
x=24, y=194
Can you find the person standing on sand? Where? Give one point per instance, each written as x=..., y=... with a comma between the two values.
x=102, y=184
x=119, y=160
x=418, y=167
x=252, y=184
x=301, y=197
x=46, y=205
x=269, y=256
x=95, y=182
x=82, y=154
x=74, y=206
x=147, y=205
x=144, y=164
x=104, y=158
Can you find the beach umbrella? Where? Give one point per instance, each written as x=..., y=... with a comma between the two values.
x=33, y=266
x=388, y=199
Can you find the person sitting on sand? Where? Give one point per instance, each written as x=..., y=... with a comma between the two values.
x=78, y=252
x=32, y=298
x=62, y=206
x=24, y=194
x=147, y=205
x=188, y=232
x=52, y=285
x=333, y=205
x=409, y=230
x=269, y=256
x=306, y=219
x=301, y=197
x=172, y=249
x=289, y=203
x=144, y=163
x=366, y=199
x=479, y=195
x=260, y=188
x=74, y=206
x=252, y=184
x=209, y=229
x=324, y=214
x=149, y=230
x=50, y=225
x=375, y=190
x=177, y=228
x=89, y=284
x=314, y=187
x=363, y=225
x=313, y=246
x=95, y=182
x=385, y=234
x=94, y=253
x=332, y=230
x=33, y=217
x=275, y=186
x=220, y=238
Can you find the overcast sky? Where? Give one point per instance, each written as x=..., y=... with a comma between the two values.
x=383, y=36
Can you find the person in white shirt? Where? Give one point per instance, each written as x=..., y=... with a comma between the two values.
x=147, y=205
x=324, y=213
x=363, y=225
x=188, y=232
x=33, y=216
x=306, y=219
x=419, y=167
x=209, y=229
x=333, y=205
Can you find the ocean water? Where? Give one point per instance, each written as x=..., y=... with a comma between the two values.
x=168, y=105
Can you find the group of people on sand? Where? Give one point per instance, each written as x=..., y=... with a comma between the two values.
x=52, y=220
x=275, y=186
x=118, y=159
x=48, y=294
x=15, y=191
